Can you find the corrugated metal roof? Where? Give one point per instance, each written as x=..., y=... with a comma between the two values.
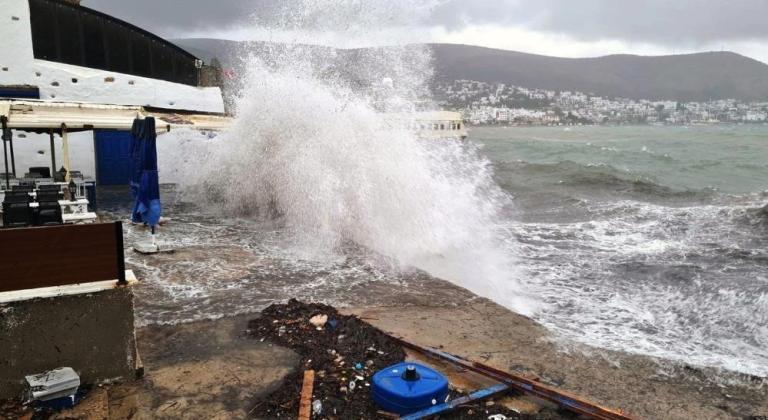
x=45, y=115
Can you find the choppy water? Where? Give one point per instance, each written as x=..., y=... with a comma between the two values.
x=646, y=239
x=643, y=239
x=650, y=240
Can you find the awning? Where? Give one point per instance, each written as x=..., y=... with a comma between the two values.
x=30, y=115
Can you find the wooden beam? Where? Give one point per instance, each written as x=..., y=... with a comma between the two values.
x=305, y=404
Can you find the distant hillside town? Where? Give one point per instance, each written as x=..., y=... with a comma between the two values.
x=500, y=103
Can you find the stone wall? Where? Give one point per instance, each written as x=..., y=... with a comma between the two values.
x=91, y=333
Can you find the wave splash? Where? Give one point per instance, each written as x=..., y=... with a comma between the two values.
x=309, y=150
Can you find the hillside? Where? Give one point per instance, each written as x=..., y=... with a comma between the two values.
x=689, y=77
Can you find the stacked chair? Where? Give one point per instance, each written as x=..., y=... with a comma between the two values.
x=41, y=171
x=18, y=212
x=48, y=210
x=16, y=209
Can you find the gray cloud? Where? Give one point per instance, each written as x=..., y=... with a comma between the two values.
x=173, y=17
x=663, y=22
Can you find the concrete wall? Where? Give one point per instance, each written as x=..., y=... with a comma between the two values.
x=92, y=333
x=64, y=82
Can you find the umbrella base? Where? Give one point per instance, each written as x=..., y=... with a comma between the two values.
x=150, y=248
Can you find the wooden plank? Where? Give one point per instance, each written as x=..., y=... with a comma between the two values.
x=305, y=404
x=57, y=255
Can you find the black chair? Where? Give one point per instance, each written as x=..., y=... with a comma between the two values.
x=17, y=197
x=17, y=215
x=23, y=187
x=49, y=187
x=48, y=213
x=43, y=171
x=49, y=196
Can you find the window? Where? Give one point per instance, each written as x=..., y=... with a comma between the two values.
x=442, y=126
x=70, y=47
x=162, y=61
x=93, y=37
x=43, y=22
x=118, y=47
x=140, y=55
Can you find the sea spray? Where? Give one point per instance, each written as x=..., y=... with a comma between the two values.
x=311, y=150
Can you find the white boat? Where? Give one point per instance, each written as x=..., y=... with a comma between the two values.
x=431, y=124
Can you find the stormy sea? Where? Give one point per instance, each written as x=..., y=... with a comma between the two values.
x=647, y=239
x=650, y=240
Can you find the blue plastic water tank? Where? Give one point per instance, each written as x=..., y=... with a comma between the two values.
x=408, y=387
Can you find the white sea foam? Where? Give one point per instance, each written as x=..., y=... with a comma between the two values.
x=653, y=280
x=308, y=149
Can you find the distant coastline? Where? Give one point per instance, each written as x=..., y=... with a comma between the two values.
x=501, y=103
x=627, y=124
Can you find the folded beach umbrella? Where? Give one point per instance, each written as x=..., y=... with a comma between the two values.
x=144, y=180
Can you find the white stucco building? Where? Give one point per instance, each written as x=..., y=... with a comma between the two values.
x=65, y=52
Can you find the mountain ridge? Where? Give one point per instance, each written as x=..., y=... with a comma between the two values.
x=689, y=77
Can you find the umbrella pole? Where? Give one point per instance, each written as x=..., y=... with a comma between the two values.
x=53, y=153
x=65, y=150
x=4, y=121
x=13, y=158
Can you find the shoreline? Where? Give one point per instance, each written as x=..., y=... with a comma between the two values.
x=433, y=312
x=614, y=125
x=643, y=386
x=212, y=369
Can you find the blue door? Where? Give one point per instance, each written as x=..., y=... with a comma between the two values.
x=113, y=156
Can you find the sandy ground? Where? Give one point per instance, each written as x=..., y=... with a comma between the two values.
x=201, y=370
x=644, y=387
x=210, y=370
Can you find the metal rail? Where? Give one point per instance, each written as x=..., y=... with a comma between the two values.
x=450, y=405
x=564, y=399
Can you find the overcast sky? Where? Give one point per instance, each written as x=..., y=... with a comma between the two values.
x=570, y=28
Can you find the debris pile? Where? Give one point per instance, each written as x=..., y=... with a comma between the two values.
x=344, y=352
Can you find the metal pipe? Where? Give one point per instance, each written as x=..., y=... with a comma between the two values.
x=450, y=405
x=13, y=157
x=53, y=153
x=4, y=122
x=65, y=151
x=564, y=399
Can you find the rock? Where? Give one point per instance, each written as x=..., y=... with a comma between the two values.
x=319, y=320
